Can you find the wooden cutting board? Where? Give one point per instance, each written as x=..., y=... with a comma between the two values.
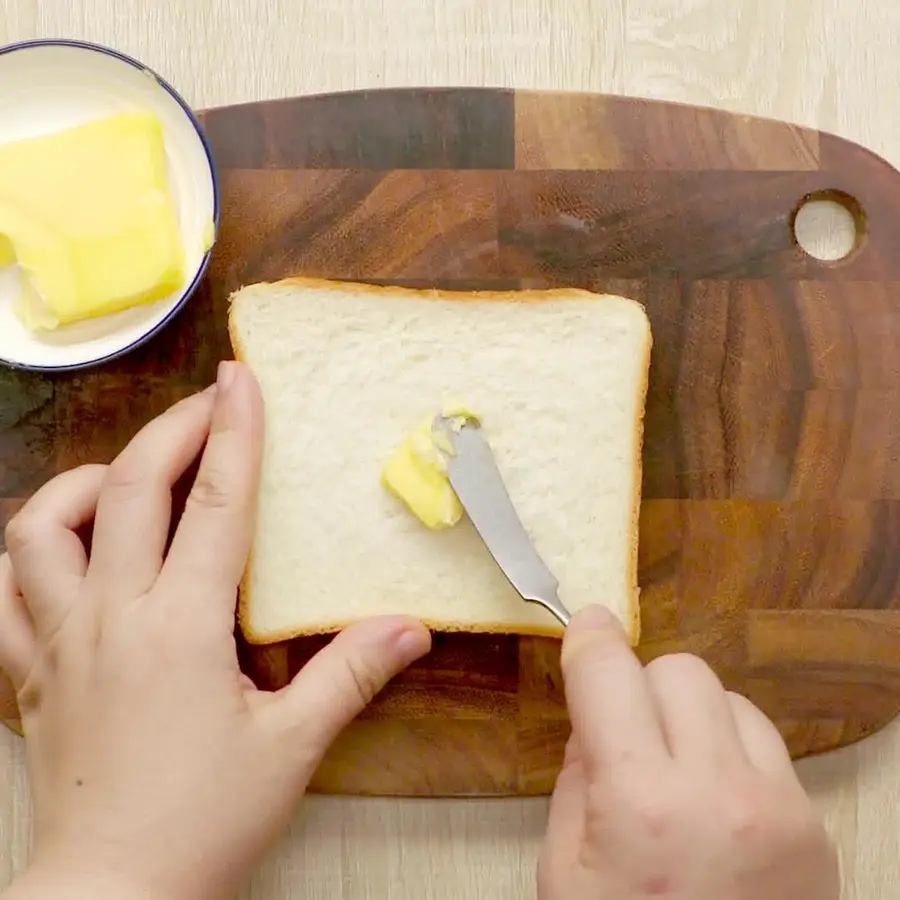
x=770, y=530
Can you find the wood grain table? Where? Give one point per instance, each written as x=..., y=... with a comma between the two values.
x=829, y=64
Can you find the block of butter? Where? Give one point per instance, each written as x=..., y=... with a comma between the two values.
x=89, y=216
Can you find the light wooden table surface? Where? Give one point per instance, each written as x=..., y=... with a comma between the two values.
x=831, y=64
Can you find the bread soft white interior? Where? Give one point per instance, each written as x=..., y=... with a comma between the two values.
x=559, y=380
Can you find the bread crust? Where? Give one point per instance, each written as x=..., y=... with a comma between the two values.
x=552, y=629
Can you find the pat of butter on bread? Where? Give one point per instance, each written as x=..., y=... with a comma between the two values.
x=416, y=473
x=89, y=216
x=561, y=376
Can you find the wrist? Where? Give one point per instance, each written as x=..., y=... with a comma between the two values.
x=39, y=883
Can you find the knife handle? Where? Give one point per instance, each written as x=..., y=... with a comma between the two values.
x=555, y=606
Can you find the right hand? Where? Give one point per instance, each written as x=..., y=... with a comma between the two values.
x=673, y=787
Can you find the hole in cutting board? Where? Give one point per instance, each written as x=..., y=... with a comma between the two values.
x=829, y=225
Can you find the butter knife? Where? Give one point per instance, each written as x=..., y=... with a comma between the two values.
x=477, y=482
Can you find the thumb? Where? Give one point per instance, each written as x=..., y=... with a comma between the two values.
x=340, y=681
x=613, y=712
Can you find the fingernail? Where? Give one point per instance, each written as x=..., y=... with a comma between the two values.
x=595, y=618
x=412, y=644
x=226, y=375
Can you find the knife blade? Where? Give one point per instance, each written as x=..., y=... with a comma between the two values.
x=476, y=480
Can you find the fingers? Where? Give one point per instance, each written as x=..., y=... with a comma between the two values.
x=676, y=707
x=340, y=681
x=135, y=506
x=17, y=640
x=213, y=538
x=46, y=554
x=694, y=710
x=762, y=742
x=613, y=714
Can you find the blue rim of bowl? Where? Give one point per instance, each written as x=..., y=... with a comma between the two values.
x=214, y=175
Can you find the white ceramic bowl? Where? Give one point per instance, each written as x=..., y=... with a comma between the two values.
x=47, y=86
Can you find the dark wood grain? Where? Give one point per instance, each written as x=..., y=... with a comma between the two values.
x=770, y=528
x=450, y=128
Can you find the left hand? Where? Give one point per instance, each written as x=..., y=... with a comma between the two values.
x=157, y=769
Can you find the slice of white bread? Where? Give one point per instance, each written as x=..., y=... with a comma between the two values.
x=559, y=380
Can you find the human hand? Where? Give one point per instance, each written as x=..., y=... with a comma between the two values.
x=673, y=787
x=157, y=769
